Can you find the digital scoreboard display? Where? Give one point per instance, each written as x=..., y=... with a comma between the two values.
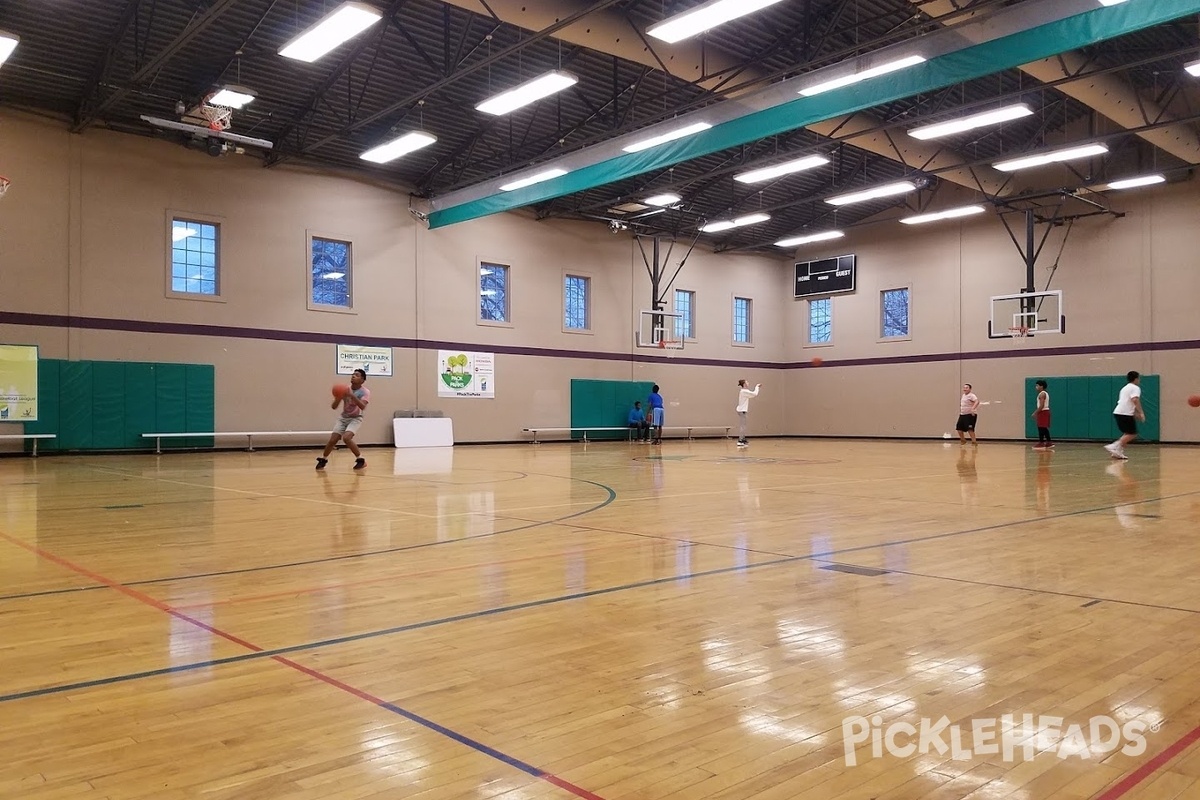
x=827, y=276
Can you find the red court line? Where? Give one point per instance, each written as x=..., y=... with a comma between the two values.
x=1150, y=767
x=387, y=579
x=327, y=679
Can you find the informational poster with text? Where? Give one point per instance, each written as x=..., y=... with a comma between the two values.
x=372, y=360
x=466, y=374
x=18, y=383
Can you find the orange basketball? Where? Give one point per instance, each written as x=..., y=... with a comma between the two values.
x=1194, y=401
x=340, y=390
x=816, y=362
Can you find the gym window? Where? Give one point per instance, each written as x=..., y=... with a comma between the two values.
x=685, y=305
x=195, y=258
x=576, y=303
x=329, y=275
x=493, y=293
x=742, y=320
x=894, y=316
x=820, y=320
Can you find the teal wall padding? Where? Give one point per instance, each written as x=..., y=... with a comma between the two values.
x=1081, y=407
x=108, y=405
x=976, y=61
x=605, y=404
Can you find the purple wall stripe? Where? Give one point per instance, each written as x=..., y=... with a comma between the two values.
x=230, y=332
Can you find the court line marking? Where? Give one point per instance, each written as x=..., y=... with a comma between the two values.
x=612, y=495
x=312, y=673
x=1150, y=767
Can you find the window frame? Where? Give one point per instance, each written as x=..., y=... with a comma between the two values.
x=749, y=321
x=507, y=322
x=907, y=336
x=808, y=342
x=312, y=305
x=587, y=301
x=177, y=215
x=691, y=316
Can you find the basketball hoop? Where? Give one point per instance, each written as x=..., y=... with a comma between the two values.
x=4, y=184
x=219, y=117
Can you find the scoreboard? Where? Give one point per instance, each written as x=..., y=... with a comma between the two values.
x=827, y=276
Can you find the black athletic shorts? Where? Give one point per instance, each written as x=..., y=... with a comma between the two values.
x=1126, y=424
x=966, y=422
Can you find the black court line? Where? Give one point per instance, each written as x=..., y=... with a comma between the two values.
x=1092, y=603
x=48, y=690
x=852, y=569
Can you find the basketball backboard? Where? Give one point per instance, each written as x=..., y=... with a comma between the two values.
x=1027, y=314
x=659, y=330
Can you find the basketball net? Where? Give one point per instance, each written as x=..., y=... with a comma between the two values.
x=219, y=117
x=1019, y=332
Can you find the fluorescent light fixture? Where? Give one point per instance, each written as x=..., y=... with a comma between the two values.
x=1111, y=2
x=8, y=43
x=528, y=92
x=994, y=117
x=232, y=97
x=532, y=179
x=400, y=146
x=1052, y=157
x=1133, y=183
x=1193, y=68
x=786, y=168
x=702, y=18
x=338, y=27
x=179, y=234
x=333, y=276
x=724, y=225
x=866, y=74
x=662, y=200
x=671, y=136
x=795, y=241
x=887, y=190
x=952, y=213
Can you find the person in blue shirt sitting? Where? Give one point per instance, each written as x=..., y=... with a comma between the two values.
x=656, y=413
x=637, y=421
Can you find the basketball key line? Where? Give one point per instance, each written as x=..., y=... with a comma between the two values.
x=322, y=677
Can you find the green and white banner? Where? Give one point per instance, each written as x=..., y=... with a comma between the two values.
x=466, y=374
x=18, y=383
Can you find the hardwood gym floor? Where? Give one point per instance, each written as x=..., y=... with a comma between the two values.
x=610, y=620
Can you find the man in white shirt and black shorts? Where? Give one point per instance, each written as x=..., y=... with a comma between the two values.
x=1127, y=413
x=968, y=415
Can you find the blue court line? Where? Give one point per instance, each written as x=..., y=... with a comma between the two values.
x=612, y=495
x=552, y=601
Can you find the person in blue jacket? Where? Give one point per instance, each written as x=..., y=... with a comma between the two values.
x=638, y=423
x=655, y=402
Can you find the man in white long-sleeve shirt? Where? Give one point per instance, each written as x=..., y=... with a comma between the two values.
x=743, y=409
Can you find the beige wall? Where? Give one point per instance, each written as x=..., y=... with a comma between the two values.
x=83, y=233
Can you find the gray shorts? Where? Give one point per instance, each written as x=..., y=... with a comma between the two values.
x=348, y=425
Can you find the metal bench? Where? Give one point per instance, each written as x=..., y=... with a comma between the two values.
x=586, y=429
x=33, y=436
x=158, y=437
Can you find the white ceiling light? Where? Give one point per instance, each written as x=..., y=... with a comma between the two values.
x=786, y=168
x=972, y=122
x=338, y=27
x=1193, y=68
x=866, y=74
x=1111, y=2
x=8, y=43
x=724, y=225
x=400, y=146
x=1133, y=183
x=528, y=92
x=796, y=241
x=1052, y=157
x=181, y=233
x=702, y=18
x=532, y=179
x=333, y=276
x=232, y=97
x=887, y=190
x=671, y=136
x=662, y=200
x=952, y=213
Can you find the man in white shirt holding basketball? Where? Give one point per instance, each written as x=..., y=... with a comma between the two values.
x=743, y=409
x=1127, y=413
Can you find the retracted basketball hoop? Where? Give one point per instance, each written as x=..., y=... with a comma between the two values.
x=219, y=117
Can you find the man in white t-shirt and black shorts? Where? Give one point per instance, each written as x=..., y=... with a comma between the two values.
x=1127, y=413
x=968, y=415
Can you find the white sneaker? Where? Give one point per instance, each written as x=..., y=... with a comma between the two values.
x=1112, y=449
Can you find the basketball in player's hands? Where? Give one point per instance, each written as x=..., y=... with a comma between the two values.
x=1194, y=401
x=340, y=390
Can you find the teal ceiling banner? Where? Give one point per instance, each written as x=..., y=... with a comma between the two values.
x=967, y=63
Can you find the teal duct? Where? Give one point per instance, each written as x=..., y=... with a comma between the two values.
x=975, y=61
